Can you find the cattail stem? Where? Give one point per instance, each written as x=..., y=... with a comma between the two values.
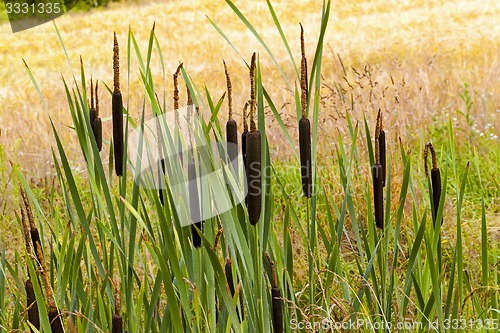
x=117, y=111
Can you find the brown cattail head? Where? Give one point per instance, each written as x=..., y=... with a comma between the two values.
x=32, y=306
x=96, y=122
x=253, y=158
x=305, y=156
x=117, y=324
x=435, y=180
x=254, y=176
x=276, y=298
x=56, y=324
x=194, y=204
x=229, y=275
x=116, y=64
x=92, y=112
x=378, y=195
x=303, y=74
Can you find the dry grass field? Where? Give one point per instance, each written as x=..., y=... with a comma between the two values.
x=430, y=47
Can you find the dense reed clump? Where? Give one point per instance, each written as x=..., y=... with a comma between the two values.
x=304, y=125
x=277, y=303
x=378, y=177
x=117, y=111
x=95, y=121
x=231, y=128
x=253, y=157
x=435, y=180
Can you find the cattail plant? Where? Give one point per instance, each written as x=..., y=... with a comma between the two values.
x=94, y=118
x=378, y=176
x=31, y=303
x=276, y=299
x=117, y=111
x=231, y=128
x=435, y=180
x=52, y=311
x=304, y=125
x=253, y=153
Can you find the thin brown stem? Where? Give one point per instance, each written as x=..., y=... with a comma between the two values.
x=116, y=65
x=253, y=126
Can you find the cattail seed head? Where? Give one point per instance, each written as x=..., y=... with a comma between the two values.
x=194, y=205
x=435, y=180
x=116, y=324
x=32, y=306
x=229, y=275
x=276, y=298
x=305, y=156
x=253, y=126
x=55, y=320
x=254, y=176
x=378, y=196
x=176, y=93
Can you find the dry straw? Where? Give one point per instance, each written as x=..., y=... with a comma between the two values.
x=254, y=159
x=117, y=111
x=435, y=180
x=378, y=177
x=304, y=125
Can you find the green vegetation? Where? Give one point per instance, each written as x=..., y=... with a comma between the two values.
x=115, y=252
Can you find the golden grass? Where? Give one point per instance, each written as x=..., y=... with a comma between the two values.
x=419, y=54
